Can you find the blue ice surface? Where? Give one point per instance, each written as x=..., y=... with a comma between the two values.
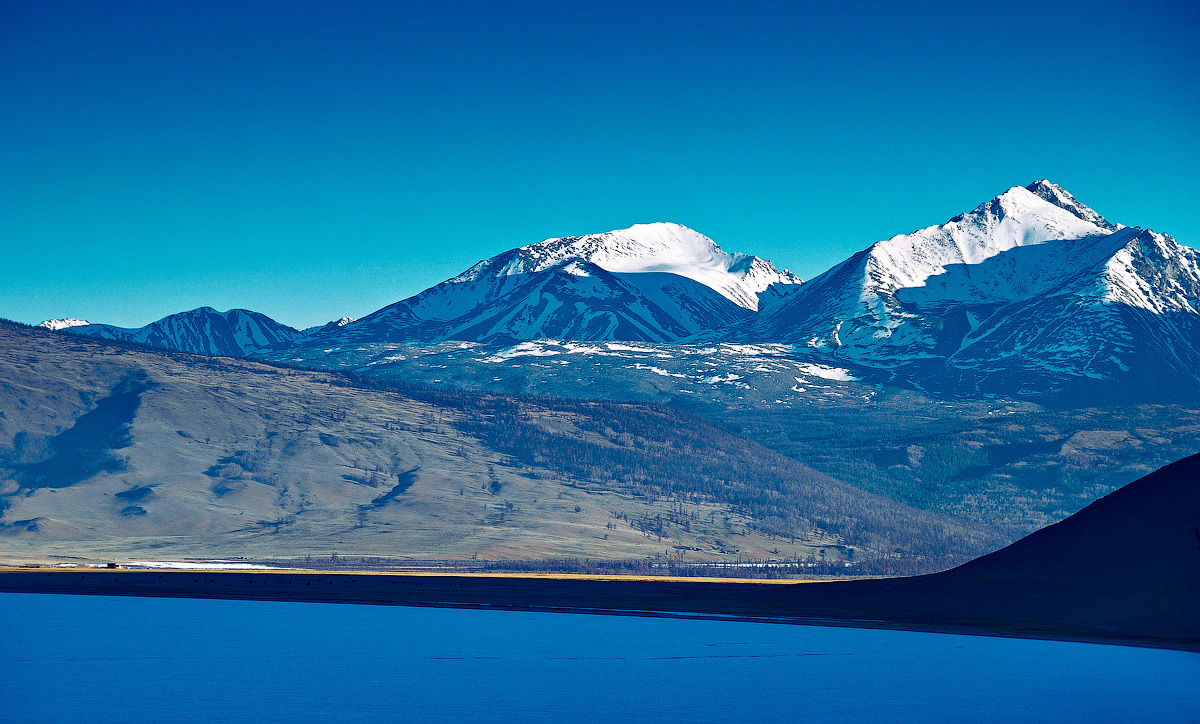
x=113, y=659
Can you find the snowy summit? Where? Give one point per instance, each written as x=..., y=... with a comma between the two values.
x=56, y=324
x=651, y=282
x=645, y=248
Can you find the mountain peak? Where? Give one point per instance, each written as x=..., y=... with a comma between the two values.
x=629, y=249
x=1021, y=216
x=1043, y=186
x=871, y=303
x=1060, y=197
x=202, y=330
x=661, y=247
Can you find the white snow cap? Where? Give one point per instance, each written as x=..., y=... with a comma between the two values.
x=1021, y=216
x=658, y=247
x=57, y=324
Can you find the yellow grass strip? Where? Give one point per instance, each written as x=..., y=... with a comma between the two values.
x=431, y=574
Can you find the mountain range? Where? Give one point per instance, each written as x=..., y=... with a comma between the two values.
x=993, y=370
x=201, y=331
x=1030, y=295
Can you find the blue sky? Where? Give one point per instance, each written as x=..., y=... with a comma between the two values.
x=310, y=160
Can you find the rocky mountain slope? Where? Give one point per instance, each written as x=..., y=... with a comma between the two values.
x=573, y=299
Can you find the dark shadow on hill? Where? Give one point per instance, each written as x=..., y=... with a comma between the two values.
x=1125, y=567
x=86, y=448
x=404, y=481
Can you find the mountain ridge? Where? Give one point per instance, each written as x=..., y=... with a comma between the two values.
x=203, y=330
x=1031, y=294
x=651, y=282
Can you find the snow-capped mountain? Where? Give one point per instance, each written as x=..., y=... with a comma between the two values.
x=869, y=305
x=1030, y=293
x=662, y=248
x=651, y=282
x=203, y=331
x=56, y=324
x=573, y=299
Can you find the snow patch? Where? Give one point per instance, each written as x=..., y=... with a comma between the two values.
x=658, y=371
x=835, y=374
x=207, y=565
x=56, y=324
x=525, y=349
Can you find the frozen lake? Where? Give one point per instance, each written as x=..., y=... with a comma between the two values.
x=110, y=659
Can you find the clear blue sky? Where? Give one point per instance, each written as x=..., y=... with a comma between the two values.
x=309, y=160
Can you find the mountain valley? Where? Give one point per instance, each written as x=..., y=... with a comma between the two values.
x=1003, y=369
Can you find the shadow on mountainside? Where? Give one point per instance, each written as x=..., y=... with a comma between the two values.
x=1126, y=566
x=85, y=449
